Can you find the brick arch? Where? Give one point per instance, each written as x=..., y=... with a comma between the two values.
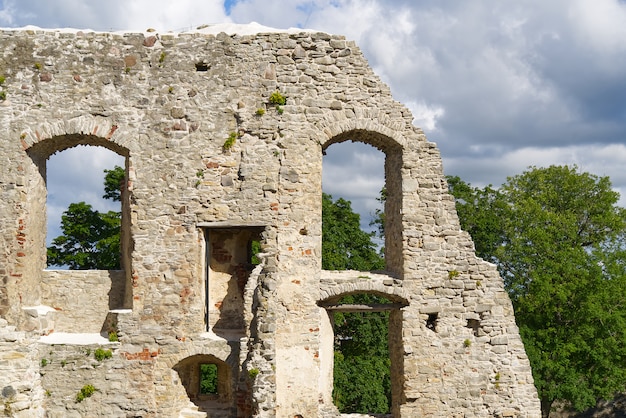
x=50, y=137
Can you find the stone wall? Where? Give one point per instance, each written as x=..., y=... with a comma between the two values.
x=212, y=164
x=82, y=299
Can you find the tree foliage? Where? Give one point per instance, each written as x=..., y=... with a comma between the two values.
x=362, y=381
x=557, y=237
x=208, y=379
x=90, y=239
x=114, y=183
x=345, y=246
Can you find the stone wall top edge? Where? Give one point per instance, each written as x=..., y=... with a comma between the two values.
x=209, y=31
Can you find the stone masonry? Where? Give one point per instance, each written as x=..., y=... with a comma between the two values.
x=213, y=166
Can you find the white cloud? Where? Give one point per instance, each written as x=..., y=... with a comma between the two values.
x=601, y=24
x=598, y=159
x=163, y=15
x=6, y=14
x=426, y=116
x=355, y=171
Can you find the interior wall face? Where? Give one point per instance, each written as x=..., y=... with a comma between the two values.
x=209, y=154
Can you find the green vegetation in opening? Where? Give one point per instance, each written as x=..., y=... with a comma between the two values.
x=362, y=373
x=208, y=379
x=255, y=248
x=90, y=240
x=362, y=382
x=345, y=246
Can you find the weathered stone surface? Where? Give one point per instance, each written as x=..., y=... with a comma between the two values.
x=194, y=202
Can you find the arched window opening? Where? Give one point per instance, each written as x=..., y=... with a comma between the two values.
x=71, y=172
x=363, y=177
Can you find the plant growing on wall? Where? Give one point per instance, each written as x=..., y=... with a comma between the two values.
x=85, y=392
x=3, y=94
x=230, y=141
x=277, y=99
x=101, y=354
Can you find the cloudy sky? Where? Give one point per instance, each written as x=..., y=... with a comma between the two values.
x=499, y=86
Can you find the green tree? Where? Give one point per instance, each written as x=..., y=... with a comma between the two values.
x=90, y=240
x=345, y=246
x=361, y=374
x=560, y=251
x=114, y=183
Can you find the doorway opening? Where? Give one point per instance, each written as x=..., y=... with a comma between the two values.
x=366, y=360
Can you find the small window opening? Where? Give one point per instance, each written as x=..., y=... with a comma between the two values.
x=202, y=66
x=208, y=382
x=208, y=379
x=474, y=324
x=431, y=322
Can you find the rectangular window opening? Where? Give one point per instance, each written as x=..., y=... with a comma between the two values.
x=231, y=253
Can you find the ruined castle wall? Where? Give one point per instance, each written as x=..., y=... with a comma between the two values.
x=208, y=154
